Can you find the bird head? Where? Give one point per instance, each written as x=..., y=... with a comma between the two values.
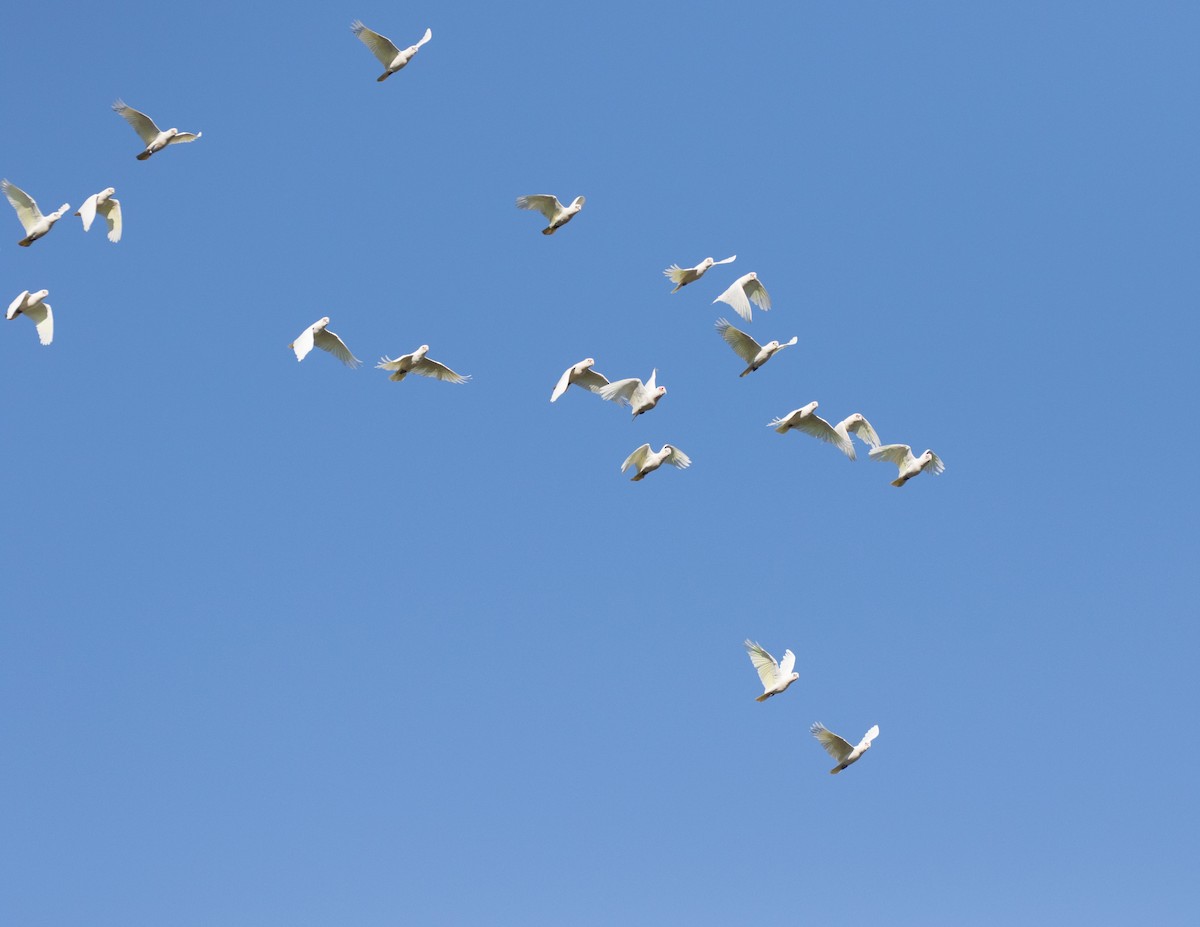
x=321, y=323
x=108, y=191
x=587, y=362
x=772, y=345
x=579, y=200
x=420, y=352
x=661, y=391
x=38, y=296
x=810, y=408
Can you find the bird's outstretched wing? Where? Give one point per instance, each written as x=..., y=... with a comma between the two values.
x=865, y=433
x=813, y=424
x=898, y=454
x=868, y=737
x=328, y=341
x=303, y=344
x=23, y=203
x=741, y=292
x=764, y=663
x=381, y=47
x=591, y=380
x=425, y=38
x=431, y=368
x=743, y=345
x=620, y=391
x=936, y=467
x=183, y=137
x=835, y=746
x=788, y=664
x=111, y=210
x=547, y=205
x=87, y=212
x=142, y=124
x=677, y=458
x=43, y=318
x=637, y=458
x=15, y=305
x=563, y=382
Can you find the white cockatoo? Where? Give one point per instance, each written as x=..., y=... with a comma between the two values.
x=805, y=420
x=317, y=335
x=633, y=392
x=580, y=374
x=744, y=291
x=902, y=456
x=149, y=133
x=418, y=363
x=776, y=676
x=35, y=224
x=31, y=304
x=555, y=212
x=682, y=276
x=644, y=460
x=385, y=50
x=108, y=206
x=840, y=749
x=748, y=349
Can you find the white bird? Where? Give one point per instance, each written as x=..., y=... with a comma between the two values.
x=804, y=420
x=902, y=456
x=748, y=349
x=555, y=212
x=775, y=676
x=31, y=305
x=149, y=133
x=35, y=224
x=742, y=292
x=632, y=392
x=682, y=276
x=385, y=50
x=580, y=374
x=108, y=206
x=840, y=749
x=644, y=460
x=419, y=364
x=317, y=335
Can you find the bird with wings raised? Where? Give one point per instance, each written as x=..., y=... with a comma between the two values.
x=422, y=366
x=555, y=212
x=839, y=748
x=150, y=134
x=34, y=306
x=776, y=675
x=902, y=456
x=744, y=291
x=318, y=335
x=108, y=206
x=35, y=224
x=385, y=50
x=682, y=276
x=642, y=397
x=643, y=460
x=748, y=349
x=581, y=375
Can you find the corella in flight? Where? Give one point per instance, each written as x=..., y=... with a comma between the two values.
x=682, y=276
x=317, y=335
x=633, y=392
x=804, y=419
x=902, y=456
x=31, y=304
x=582, y=375
x=108, y=206
x=555, y=212
x=744, y=291
x=776, y=676
x=35, y=224
x=418, y=363
x=382, y=48
x=149, y=133
x=748, y=349
x=644, y=460
x=840, y=749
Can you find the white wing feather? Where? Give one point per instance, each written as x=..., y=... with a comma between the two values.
x=637, y=458
x=677, y=458
x=563, y=382
x=43, y=318
x=111, y=210
x=431, y=368
x=743, y=345
x=547, y=205
x=87, y=212
x=788, y=664
x=835, y=746
x=620, y=391
x=381, y=47
x=23, y=203
x=862, y=428
x=303, y=344
x=899, y=454
x=142, y=124
x=764, y=663
x=328, y=341
x=15, y=304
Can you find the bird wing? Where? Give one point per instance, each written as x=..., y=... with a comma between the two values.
x=677, y=458
x=328, y=341
x=936, y=467
x=758, y=293
x=899, y=454
x=183, y=137
x=868, y=737
x=620, y=391
x=142, y=124
x=636, y=459
x=835, y=746
x=768, y=669
x=43, y=318
x=816, y=426
x=303, y=344
x=431, y=368
x=728, y=260
x=591, y=380
x=743, y=345
x=563, y=382
x=23, y=203
x=547, y=205
x=677, y=274
x=111, y=210
x=425, y=38
x=788, y=664
x=862, y=428
x=87, y=212
x=381, y=47
x=735, y=296
x=15, y=305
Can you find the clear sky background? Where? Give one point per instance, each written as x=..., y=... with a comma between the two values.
x=289, y=644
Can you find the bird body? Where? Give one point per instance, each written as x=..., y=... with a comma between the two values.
x=804, y=419
x=902, y=456
x=775, y=675
x=32, y=305
x=318, y=335
x=108, y=206
x=840, y=749
x=748, y=349
x=642, y=397
x=555, y=212
x=154, y=138
x=682, y=276
x=35, y=224
x=581, y=375
x=418, y=363
x=643, y=460
x=385, y=50
x=744, y=291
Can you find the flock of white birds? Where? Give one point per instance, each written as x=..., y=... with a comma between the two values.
x=641, y=396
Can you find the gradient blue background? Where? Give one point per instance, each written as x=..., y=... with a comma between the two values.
x=287, y=644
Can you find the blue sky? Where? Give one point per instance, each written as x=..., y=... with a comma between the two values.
x=288, y=644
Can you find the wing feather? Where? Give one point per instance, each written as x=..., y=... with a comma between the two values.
x=23, y=203
x=743, y=345
x=677, y=458
x=15, y=305
x=637, y=458
x=111, y=210
x=381, y=47
x=764, y=663
x=547, y=205
x=43, y=318
x=735, y=296
x=620, y=391
x=591, y=380
x=865, y=433
x=431, y=368
x=183, y=138
x=835, y=746
x=328, y=341
x=142, y=124
x=87, y=212
x=561, y=386
x=935, y=465
x=898, y=454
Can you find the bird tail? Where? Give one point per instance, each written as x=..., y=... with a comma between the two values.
x=900, y=482
x=398, y=376
x=640, y=476
x=764, y=697
x=144, y=155
x=548, y=231
x=384, y=76
x=746, y=371
x=26, y=243
x=836, y=770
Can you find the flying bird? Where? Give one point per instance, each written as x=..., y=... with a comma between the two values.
x=902, y=456
x=632, y=392
x=644, y=460
x=418, y=363
x=31, y=304
x=108, y=206
x=804, y=420
x=580, y=374
x=382, y=48
x=776, y=676
x=555, y=212
x=149, y=133
x=748, y=349
x=840, y=749
x=682, y=276
x=35, y=224
x=317, y=335
x=742, y=292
